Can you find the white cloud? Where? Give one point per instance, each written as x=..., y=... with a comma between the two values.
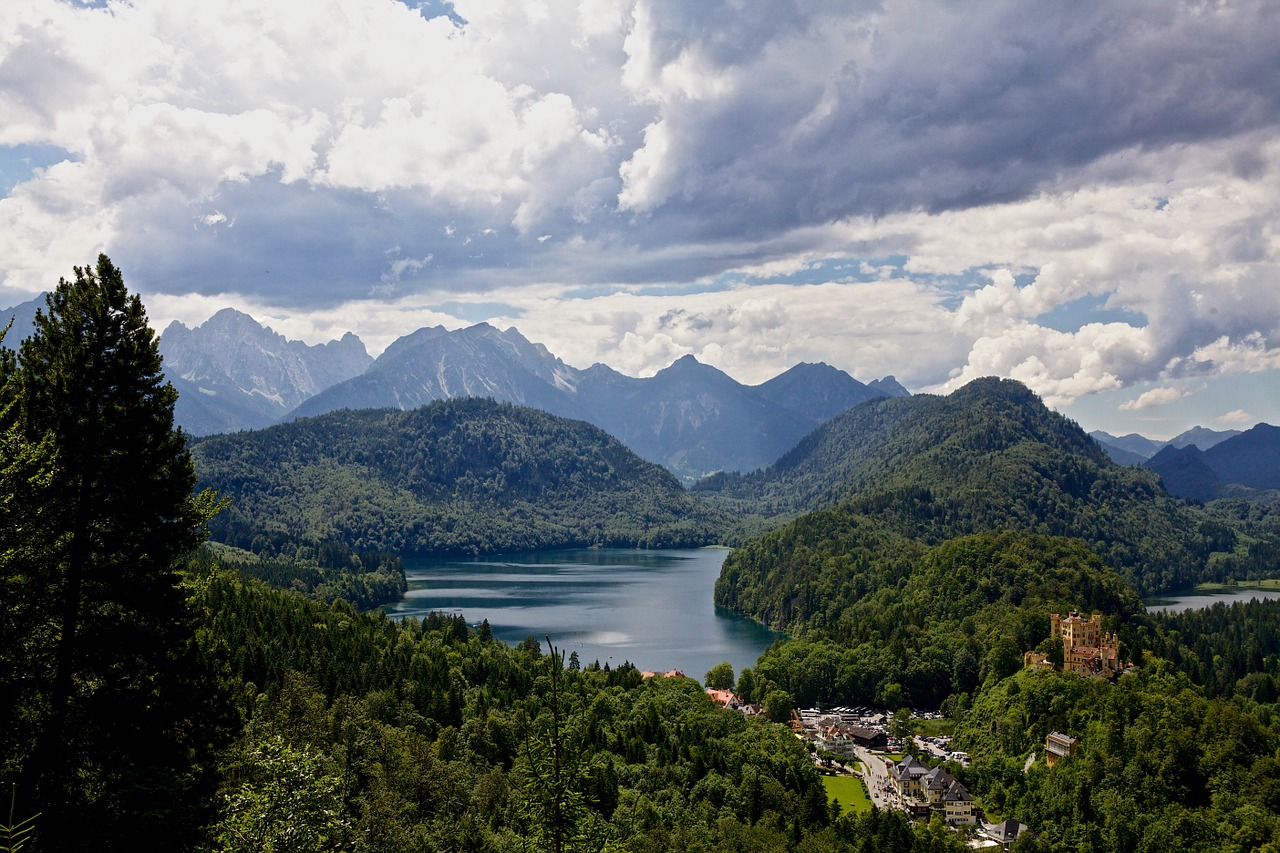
x=647, y=178
x=1154, y=397
x=1084, y=199
x=1238, y=416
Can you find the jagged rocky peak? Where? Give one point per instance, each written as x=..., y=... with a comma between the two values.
x=257, y=373
x=890, y=386
x=231, y=342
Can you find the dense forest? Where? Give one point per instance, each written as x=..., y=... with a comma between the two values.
x=331, y=499
x=934, y=627
x=157, y=694
x=1159, y=767
x=932, y=538
x=153, y=699
x=989, y=456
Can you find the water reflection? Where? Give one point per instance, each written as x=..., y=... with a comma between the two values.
x=1196, y=599
x=653, y=608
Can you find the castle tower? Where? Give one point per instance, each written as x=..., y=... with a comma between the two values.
x=1086, y=648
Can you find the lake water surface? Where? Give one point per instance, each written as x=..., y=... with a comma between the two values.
x=1196, y=599
x=652, y=608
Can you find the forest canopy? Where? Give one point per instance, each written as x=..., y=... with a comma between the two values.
x=457, y=476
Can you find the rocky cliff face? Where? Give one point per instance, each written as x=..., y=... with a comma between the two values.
x=233, y=373
x=435, y=364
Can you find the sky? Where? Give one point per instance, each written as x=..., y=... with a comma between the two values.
x=1080, y=196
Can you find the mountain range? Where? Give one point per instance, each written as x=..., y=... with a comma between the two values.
x=23, y=316
x=1245, y=462
x=233, y=374
x=989, y=456
x=1134, y=449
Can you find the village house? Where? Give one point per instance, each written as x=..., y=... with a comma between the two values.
x=724, y=698
x=944, y=793
x=1057, y=746
x=907, y=776
x=935, y=784
x=957, y=806
x=835, y=739
x=867, y=737
x=1007, y=832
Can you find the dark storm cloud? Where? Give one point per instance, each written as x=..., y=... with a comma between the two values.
x=944, y=106
x=679, y=162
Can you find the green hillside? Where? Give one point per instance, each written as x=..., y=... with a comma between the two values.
x=457, y=476
x=990, y=456
x=921, y=624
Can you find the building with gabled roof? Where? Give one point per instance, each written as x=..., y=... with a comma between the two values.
x=943, y=792
x=957, y=806
x=724, y=698
x=907, y=775
x=935, y=783
x=868, y=737
x=1007, y=832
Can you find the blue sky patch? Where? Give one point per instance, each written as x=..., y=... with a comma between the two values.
x=19, y=162
x=435, y=9
x=476, y=312
x=1087, y=309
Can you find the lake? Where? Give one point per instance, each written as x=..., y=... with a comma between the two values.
x=1195, y=599
x=652, y=608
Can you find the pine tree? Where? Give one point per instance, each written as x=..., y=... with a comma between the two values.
x=122, y=728
x=25, y=627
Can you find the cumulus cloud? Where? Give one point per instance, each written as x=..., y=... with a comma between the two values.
x=1084, y=198
x=1237, y=416
x=1154, y=397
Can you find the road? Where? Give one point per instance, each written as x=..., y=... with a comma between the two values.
x=877, y=778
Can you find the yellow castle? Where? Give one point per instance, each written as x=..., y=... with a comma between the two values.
x=1086, y=648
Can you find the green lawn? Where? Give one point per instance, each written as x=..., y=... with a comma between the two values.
x=850, y=791
x=933, y=728
x=1267, y=583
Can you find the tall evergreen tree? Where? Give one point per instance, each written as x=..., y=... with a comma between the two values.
x=121, y=727
x=25, y=627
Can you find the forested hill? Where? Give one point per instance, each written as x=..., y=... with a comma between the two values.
x=894, y=623
x=990, y=456
x=457, y=476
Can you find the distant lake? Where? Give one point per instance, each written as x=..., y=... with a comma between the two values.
x=1194, y=599
x=653, y=608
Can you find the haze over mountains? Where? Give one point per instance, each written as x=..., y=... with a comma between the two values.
x=1203, y=464
x=1245, y=462
x=232, y=374
x=1134, y=449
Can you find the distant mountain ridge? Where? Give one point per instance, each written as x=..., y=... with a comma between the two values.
x=437, y=364
x=820, y=391
x=1133, y=449
x=1250, y=459
x=23, y=316
x=232, y=373
x=692, y=418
